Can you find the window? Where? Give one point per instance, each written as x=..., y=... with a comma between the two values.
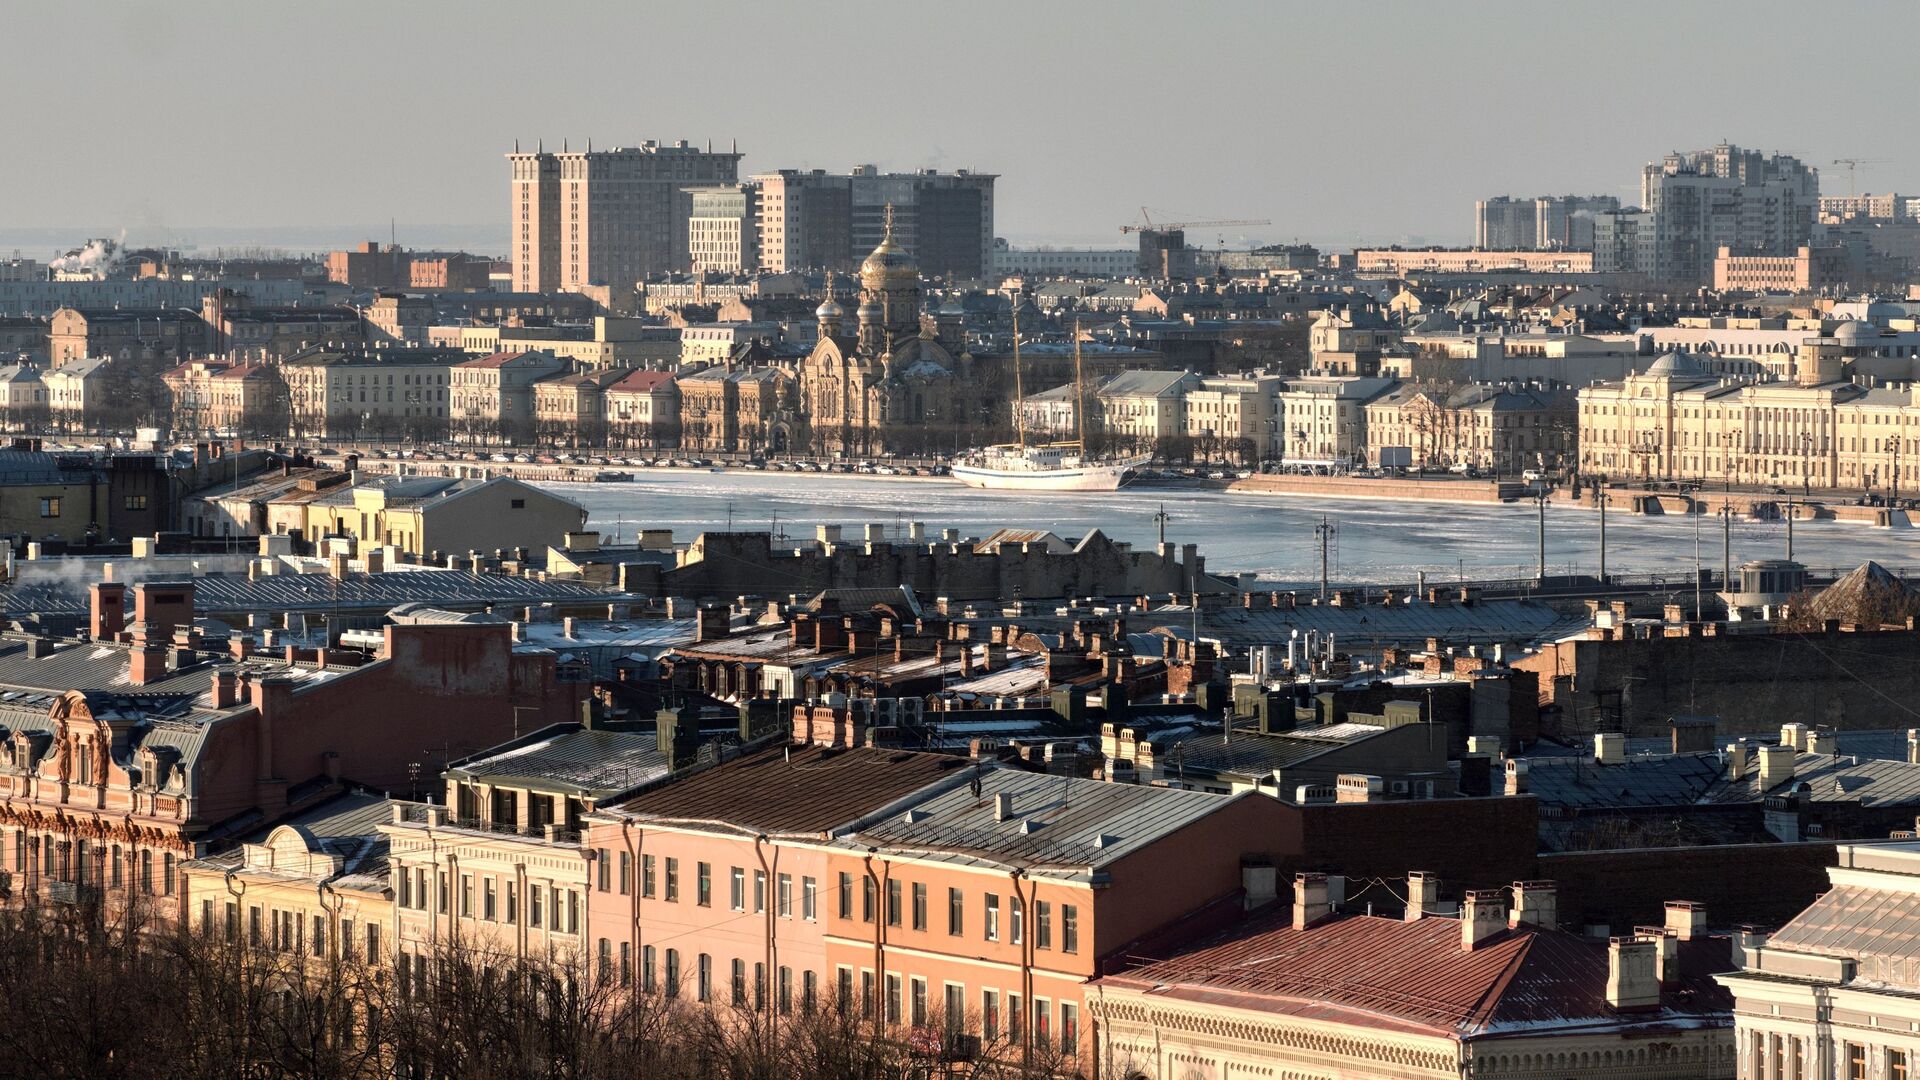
x=784, y=897
x=626, y=873
x=1069, y=1028
x=603, y=867
x=1069, y=928
x=703, y=884
x=1042, y=925
x=605, y=968
x=759, y=892
x=737, y=889
x=534, y=902
x=919, y=1001
x=705, y=986
x=646, y=876
x=993, y=917
x=739, y=983
x=1856, y=1062
x=989, y=1015
x=846, y=896
x=956, y=912
x=894, y=1002
x=843, y=990
x=673, y=973
x=673, y=879
x=919, y=905
x=373, y=943
x=1896, y=1065
x=131, y=502
x=893, y=902
x=1015, y=1018
x=1016, y=911
x=317, y=941
x=867, y=898
x=1042, y=1020
x=403, y=892
x=50, y=507
x=955, y=1008
x=646, y=968
x=466, y=896
x=759, y=987
x=785, y=991
x=513, y=904
x=809, y=907
x=488, y=902
x=519, y=504
x=445, y=892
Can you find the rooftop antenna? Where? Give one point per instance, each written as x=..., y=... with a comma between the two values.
x=1160, y=519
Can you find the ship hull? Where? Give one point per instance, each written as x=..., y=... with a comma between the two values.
x=1105, y=477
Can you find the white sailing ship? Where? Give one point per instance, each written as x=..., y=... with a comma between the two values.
x=1062, y=466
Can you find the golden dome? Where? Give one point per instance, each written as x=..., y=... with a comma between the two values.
x=890, y=264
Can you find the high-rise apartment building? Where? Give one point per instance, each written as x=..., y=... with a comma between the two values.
x=814, y=220
x=1548, y=222
x=723, y=228
x=1743, y=200
x=608, y=217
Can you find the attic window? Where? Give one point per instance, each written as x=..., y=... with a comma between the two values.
x=519, y=504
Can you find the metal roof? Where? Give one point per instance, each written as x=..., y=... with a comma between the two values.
x=1059, y=824
x=596, y=763
x=795, y=790
x=1377, y=971
x=319, y=592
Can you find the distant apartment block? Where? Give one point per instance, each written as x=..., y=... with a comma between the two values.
x=723, y=229
x=1842, y=209
x=818, y=220
x=1065, y=262
x=1703, y=200
x=370, y=266
x=1470, y=261
x=1806, y=269
x=606, y=217
x=1545, y=222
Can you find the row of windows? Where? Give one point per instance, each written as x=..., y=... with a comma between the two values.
x=910, y=899
x=290, y=931
x=92, y=864
x=488, y=898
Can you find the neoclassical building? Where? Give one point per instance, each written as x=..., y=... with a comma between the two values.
x=1822, y=429
x=897, y=383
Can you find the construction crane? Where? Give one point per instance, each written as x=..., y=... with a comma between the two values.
x=1168, y=226
x=1853, y=165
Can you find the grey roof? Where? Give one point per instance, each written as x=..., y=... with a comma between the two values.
x=1251, y=754
x=1665, y=780
x=1060, y=825
x=1677, y=365
x=320, y=592
x=1145, y=383
x=1379, y=625
x=595, y=763
x=347, y=825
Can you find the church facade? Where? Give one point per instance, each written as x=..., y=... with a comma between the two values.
x=895, y=382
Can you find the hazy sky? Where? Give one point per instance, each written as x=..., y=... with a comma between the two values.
x=1337, y=121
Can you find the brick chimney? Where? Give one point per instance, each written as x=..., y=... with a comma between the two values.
x=1687, y=919
x=161, y=607
x=107, y=602
x=1739, y=760
x=1535, y=903
x=711, y=624
x=1610, y=747
x=226, y=688
x=1259, y=881
x=1794, y=735
x=1776, y=765
x=1516, y=777
x=1633, y=974
x=1423, y=894
x=147, y=663
x=1310, y=903
x=1822, y=741
x=1666, y=952
x=1482, y=915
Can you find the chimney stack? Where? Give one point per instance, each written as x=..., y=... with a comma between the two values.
x=1739, y=760
x=1516, y=776
x=1633, y=974
x=226, y=682
x=1776, y=765
x=1687, y=919
x=1003, y=806
x=1610, y=747
x=1794, y=735
x=1423, y=894
x=108, y=603
x=1310, y=903
x=1483, y=915
x=1666, y=957
x=1822, y=741
x=1259, y=881
x=1535, y=903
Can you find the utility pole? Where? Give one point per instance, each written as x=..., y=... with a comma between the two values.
x=1602, y=496
x=1161, y=519
x=1726, y=546
x=1696, y=561
x=1789, y=528
x=1325, y=532
x=1540, y=500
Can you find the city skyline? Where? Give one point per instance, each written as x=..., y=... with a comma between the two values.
x=1085, y=120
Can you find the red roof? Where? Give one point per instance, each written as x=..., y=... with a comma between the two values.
x=1414, y=976
x=642, y=382
x=499, y=359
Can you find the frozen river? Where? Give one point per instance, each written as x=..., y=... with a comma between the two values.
x=1271, y=536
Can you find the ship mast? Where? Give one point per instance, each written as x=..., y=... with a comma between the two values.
x=1079, y=394
x=1019, y=392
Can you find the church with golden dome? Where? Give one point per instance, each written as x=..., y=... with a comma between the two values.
x=896, y=382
